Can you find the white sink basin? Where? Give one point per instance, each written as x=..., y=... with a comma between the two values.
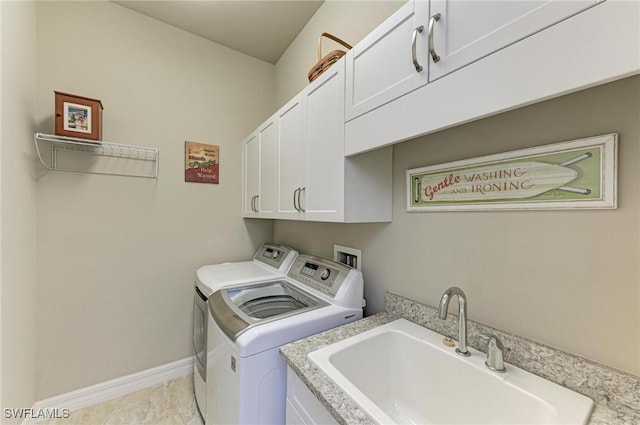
x=402, y=373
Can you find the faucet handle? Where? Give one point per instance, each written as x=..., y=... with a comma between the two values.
x=495, y=351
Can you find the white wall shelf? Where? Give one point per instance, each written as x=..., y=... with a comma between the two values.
x=69, y=145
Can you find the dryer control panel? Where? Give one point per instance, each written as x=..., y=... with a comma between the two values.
x=274, y=254
x=321, y=274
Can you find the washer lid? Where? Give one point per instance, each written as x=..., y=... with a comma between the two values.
x=235, y=310
x=213, y=277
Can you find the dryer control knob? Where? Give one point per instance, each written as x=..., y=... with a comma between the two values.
x=325, y=274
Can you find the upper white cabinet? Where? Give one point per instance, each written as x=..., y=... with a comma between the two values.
x=312, y=179
x=340, y=189
x=464, y=31
x=328, y=186
x=251, y=176
x=488, y=57
x=259, y=164
x=432, y=65
x=322, y=196
x=292, y=157
x=389, y=62
x=425, y=40
x=268, y=136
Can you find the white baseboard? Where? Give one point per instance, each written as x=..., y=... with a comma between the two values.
x=104, y=391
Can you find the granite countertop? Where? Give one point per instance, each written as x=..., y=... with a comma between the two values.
x=347, y=412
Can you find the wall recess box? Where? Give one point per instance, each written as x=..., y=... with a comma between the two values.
x=350, y=256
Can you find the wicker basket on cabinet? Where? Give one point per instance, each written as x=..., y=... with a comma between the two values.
x=325, y=62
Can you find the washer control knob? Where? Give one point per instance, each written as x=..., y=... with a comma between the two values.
x=275, y=254
x=325, y=274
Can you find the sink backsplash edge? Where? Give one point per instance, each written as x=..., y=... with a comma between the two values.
x=608, y=387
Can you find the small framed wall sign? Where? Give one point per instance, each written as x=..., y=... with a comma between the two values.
x=78, y=116
x=569, y=175
x=201, y=163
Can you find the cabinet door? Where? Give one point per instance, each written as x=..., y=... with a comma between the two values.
x=268, y=136
x=323, y=196
x=292, y=149
x=251, y=185
x=468, y=30
x=381, y=67
x=302, y=406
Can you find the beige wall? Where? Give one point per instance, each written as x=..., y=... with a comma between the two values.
x=117, y=255
x=566, y=278
x=349, y=20
x=18, y=207
x=570, y=279
x=1, y=138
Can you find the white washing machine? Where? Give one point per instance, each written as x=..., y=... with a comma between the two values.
x=271, y=261
x=248, y=323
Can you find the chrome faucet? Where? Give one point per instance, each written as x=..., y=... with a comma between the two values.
x=495, y=352
x=462, y=316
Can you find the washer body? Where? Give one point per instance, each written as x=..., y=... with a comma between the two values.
x=271, y=261
x=248, y=323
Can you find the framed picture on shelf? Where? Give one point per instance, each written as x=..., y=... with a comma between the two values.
x=78, y=116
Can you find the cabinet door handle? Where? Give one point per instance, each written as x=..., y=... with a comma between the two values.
x=294, y=199
x=414, y=41
x=252, y=207
x=257, y=208
x=432, y=50
x=299, y=204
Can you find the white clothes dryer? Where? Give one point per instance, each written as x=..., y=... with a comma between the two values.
x=246, y=375
x=271, y=261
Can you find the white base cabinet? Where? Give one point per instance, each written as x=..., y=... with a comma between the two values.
x=303, y=408
x=302, y=170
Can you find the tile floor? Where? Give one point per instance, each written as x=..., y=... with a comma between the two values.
x=169, y=403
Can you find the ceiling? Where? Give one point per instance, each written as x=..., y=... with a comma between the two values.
x=262, y=29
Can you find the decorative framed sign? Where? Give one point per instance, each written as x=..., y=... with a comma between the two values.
x=78, y=116
x=576, y=174
x=201, y=163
